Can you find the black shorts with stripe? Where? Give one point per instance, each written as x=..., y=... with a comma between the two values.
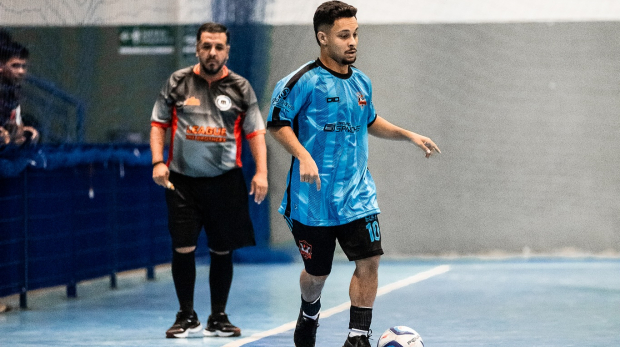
x=359, y=239
x=217, y=204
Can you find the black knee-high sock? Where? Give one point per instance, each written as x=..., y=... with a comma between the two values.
x=360, y=318
x=311, y=309
x=184, y=277
x=220, y=279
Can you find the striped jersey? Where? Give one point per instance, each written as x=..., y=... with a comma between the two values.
x=330, y=114
x=208, y=121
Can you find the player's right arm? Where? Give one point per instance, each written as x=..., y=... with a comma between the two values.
x=308, y=170
x=287, y=101
x=160, y=169
x=161, y=117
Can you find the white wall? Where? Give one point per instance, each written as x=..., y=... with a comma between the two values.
x=103, y=12
x=283, y=12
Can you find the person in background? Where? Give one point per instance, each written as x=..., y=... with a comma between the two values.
x=13, y=69
x=209, y=110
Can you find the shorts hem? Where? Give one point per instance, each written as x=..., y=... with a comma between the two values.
x=323, y=223
x=367, y=255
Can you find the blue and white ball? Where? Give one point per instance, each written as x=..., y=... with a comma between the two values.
x=400, y=336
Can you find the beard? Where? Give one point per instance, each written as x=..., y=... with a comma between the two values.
x=212, y=70
x=348, y=61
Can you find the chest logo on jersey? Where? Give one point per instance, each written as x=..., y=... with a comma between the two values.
x=361, y=100
x=205, y=134
x=223, y=102
x=341, y=127
x=192, y=101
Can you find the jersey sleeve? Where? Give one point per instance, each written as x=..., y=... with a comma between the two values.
x=253, y=123
x=164, y=106
x=372, y=114
x=289, y=96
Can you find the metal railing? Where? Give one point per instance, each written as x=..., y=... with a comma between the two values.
x=57, y=115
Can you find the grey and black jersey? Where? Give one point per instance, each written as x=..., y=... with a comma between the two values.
x=208, y=121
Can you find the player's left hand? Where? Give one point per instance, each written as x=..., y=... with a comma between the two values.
x=426, y=144
x=259, y=187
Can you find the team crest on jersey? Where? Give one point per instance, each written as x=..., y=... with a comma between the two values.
x=305, y=249
x=223, y=102
x=361, y=100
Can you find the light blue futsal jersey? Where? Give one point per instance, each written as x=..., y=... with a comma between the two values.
x=330, y=114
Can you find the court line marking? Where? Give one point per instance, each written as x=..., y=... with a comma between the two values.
x=344, y=306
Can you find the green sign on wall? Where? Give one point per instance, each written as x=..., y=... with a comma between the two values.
x=146, y=40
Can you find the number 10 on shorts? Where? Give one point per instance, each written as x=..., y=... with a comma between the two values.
x=373, y=230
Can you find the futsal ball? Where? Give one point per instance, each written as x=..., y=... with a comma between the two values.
x=400, y=336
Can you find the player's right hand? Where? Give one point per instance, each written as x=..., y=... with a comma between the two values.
x=161, y=175
x=309, y=172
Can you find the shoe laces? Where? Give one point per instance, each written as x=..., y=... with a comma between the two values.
x=311, y=323
x=360, y=337
x=182, y=316
x=221, y=319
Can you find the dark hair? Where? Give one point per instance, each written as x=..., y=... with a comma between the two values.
x=13, y=50
x=213, y=28
x=5, y=37
x=328, y=12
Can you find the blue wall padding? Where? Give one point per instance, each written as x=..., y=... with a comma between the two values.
x=82, y=212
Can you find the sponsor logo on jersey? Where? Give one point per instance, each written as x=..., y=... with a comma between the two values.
x=305, y=249
x=223, y=102
x=371, y=218
x=341, y=127
x=280, y=100
x=361, y=100
x=205, y=134
x=192, y=101
x=333, y=99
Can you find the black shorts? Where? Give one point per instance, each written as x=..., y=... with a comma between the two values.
x=219, y=204
x=359, y=239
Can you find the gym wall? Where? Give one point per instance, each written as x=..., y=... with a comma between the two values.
x=521, y=96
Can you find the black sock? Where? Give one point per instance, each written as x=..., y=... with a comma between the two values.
x=360, y=318
x=220, y=280
x=184, y=277
x=311, y=308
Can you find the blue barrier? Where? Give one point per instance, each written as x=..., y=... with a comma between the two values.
x=80, y=212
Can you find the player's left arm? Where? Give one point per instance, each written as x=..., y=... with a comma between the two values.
x=254, y=127
x=259, y=183
x=383, y=129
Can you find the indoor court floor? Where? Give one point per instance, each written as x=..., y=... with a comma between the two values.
x=450, y=302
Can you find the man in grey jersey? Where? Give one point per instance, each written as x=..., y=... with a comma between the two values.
x=209, y=110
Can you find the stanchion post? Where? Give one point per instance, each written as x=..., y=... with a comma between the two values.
x=23, y=295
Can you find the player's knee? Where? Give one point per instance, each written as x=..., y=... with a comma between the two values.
x=185, y=250
x=319, y=280
x=368, y=265
x=315, y=280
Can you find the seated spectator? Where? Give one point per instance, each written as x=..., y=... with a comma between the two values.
x=13, y=60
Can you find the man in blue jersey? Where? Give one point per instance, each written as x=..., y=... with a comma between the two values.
x=322, y=114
